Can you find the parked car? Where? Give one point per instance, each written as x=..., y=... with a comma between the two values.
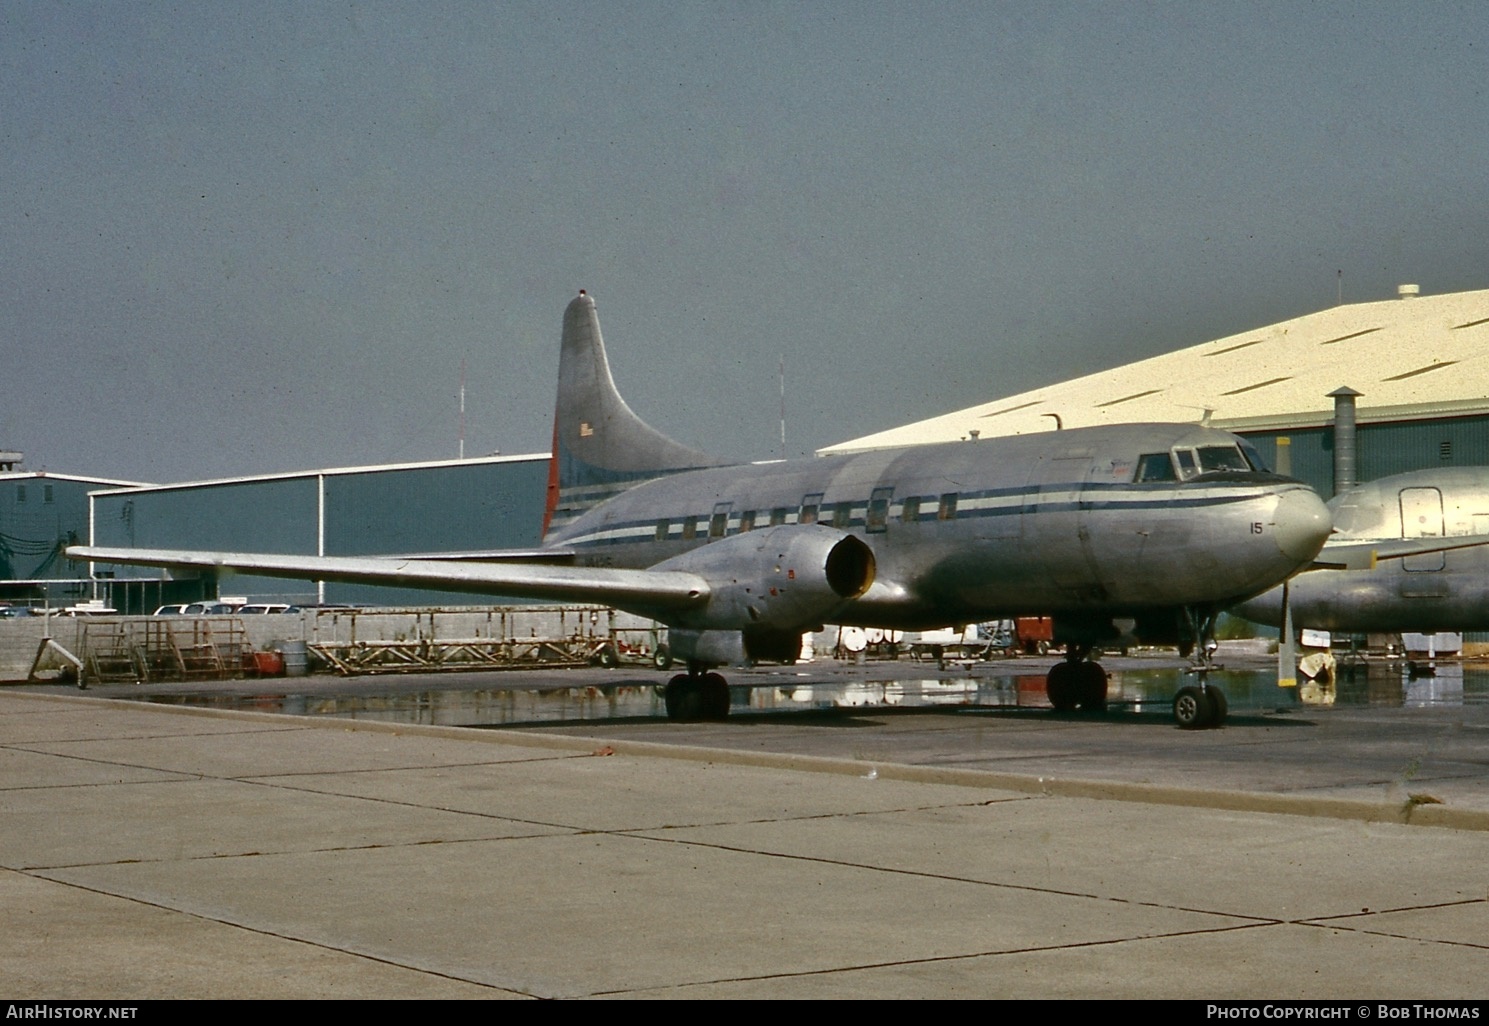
x=207, y=609
x=258, y=608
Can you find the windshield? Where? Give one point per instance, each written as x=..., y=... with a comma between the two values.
x=1225, y=458
x=1254, y=458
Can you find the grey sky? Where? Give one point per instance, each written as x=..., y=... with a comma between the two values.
x=241, y=238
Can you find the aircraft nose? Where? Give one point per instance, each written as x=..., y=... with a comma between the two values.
x=1303, y=524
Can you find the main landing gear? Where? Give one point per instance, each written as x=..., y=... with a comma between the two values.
x=1077, y=683
x=696, y=695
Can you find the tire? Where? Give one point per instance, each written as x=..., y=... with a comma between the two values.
x=662, y=658
x=684, y=699
x=1219, y=707
x=1193, y=709
x=715, y=697
x=1061, y=687
x=1091, y=687
x=609, y=657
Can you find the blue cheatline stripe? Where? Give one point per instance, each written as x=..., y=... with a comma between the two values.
x=968, y=508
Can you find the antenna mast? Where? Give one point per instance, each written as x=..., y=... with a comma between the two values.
x=782, y=375
x=462, y=408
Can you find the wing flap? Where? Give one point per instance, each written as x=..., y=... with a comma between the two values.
x=642, y=591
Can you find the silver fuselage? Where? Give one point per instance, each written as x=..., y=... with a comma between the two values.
x=1435, y=591
x=1051, y=523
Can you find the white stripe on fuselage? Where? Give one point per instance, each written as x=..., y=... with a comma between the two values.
x=1026, y=501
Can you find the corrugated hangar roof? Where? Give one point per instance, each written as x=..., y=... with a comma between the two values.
x=1410, y=358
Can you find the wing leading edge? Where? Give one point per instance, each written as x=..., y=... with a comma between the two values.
x=646, y=592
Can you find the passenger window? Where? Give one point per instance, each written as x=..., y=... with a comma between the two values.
x=662, y=529
x=809, y=506
x=947, y=509
x=842, y=515
x=910, y=513
x=689, y=528
x=718, y=524
x=1155, y=466
x=747, y=521
x=876, y=518
x=778, y=516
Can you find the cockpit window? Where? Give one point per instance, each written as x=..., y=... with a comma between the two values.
x=1255, y=459
x=1155, y=466
x=1187, y=466
x=1223, y=459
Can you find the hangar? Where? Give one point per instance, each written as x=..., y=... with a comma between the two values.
x=456, y=505
x=1418, y=368
x=40, y=513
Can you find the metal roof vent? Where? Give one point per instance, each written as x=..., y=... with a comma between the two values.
x=1408, y=291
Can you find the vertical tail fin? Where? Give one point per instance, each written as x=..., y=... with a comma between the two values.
x=600, y=446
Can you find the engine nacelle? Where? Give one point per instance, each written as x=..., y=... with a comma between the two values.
x=778, y=579
x=734, y=648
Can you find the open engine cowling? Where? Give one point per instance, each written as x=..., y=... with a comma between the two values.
x=778, y=579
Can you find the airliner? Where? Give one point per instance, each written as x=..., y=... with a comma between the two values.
x=1140, y=531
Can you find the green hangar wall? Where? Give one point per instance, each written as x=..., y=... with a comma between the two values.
x=466, y=505
x=1382, y=448
x=40, y=513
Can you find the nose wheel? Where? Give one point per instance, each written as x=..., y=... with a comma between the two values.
x=1199, y=706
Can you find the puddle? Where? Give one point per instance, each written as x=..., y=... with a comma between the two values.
x=1131, y=691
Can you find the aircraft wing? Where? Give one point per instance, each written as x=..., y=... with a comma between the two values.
x=555, y=555
x=1364, y=555
x=641, y=591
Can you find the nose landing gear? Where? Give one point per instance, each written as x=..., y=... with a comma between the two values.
x=1201, y=705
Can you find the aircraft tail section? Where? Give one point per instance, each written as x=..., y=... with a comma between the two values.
x=600, y=446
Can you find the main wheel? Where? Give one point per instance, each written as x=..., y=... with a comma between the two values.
x=1091, y=687
x=715, y=697
x=1061, y=687
x=1192, y=708
x=684, y=699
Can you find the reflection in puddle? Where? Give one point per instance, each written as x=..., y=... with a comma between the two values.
x=453, y=707
x=1130, y=691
